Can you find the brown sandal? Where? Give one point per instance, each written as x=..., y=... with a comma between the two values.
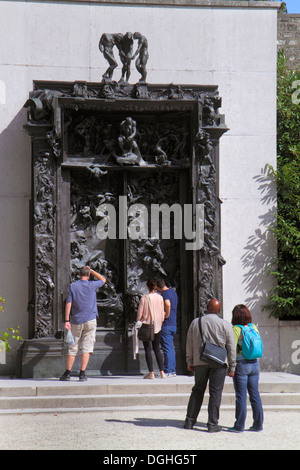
x=149, y=376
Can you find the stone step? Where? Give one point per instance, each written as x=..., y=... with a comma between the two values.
x=132, y=400
x=101, y=394
x=74, y=387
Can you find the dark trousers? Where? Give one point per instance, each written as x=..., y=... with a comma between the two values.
x=155, y=345
x=216, y=379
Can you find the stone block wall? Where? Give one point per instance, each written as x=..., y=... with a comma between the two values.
x=288, y=38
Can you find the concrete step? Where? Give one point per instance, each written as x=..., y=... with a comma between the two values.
x=131, y=400
x=115, y=393
x=99, y=386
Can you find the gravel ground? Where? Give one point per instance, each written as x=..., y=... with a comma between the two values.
x=143, y=430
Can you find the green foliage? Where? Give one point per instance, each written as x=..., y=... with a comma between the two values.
x=9, y=334
x=285, y=296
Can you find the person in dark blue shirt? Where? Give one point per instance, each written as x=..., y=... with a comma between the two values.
x=81, y=304
x=169, y=326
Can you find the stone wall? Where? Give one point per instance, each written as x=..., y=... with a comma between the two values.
x=288, y=38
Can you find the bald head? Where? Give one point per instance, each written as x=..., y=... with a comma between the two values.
x=214, y=306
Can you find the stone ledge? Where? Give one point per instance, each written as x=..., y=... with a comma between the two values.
x=244, y=4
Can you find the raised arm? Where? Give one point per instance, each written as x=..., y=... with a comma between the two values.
x=98, y=276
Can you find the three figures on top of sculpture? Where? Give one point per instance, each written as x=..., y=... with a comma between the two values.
x=124, y=44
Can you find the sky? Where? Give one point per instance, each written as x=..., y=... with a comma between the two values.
x=293, y=6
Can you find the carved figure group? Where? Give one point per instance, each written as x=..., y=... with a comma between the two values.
x=124, y=44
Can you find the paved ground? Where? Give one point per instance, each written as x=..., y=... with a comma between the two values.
x=142, y=430
x=133, y=430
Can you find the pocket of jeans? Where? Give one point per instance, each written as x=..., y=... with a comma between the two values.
x=242, y=369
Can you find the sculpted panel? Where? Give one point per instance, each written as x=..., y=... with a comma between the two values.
x=113, y=139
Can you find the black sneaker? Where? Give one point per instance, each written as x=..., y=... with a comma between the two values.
x=214, y=429
x=188, y=424
x=82, y=377
x=65, y=376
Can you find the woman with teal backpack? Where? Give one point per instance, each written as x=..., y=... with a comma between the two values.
x=246, y=377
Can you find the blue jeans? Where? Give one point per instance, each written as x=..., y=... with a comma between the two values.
x=246, y=378
x=166, y=341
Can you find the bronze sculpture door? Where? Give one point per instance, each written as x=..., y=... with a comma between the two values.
x=103, y=156
x=127, y=225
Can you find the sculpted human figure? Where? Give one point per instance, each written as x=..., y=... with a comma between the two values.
x=124, y=43
x=142, y=53
x=125, y=52
x=131, y=153
x=106, y=45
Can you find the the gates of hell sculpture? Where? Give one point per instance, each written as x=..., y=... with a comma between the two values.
x=107, y=158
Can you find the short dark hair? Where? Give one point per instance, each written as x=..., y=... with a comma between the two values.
x=84, y=271
x=160, y=283
x=151, y=284
x=241, y=315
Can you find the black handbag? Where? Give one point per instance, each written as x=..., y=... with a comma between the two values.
x=146, y=331
x=211, y=353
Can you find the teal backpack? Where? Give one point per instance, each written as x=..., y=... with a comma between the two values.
x=252, y=346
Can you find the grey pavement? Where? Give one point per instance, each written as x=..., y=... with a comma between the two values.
x=137, y=428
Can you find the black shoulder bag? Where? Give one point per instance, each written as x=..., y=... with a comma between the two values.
x=211, y=353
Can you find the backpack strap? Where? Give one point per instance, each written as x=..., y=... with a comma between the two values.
x=244, y=329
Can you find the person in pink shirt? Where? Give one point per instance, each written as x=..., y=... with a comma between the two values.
x=158, y=314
